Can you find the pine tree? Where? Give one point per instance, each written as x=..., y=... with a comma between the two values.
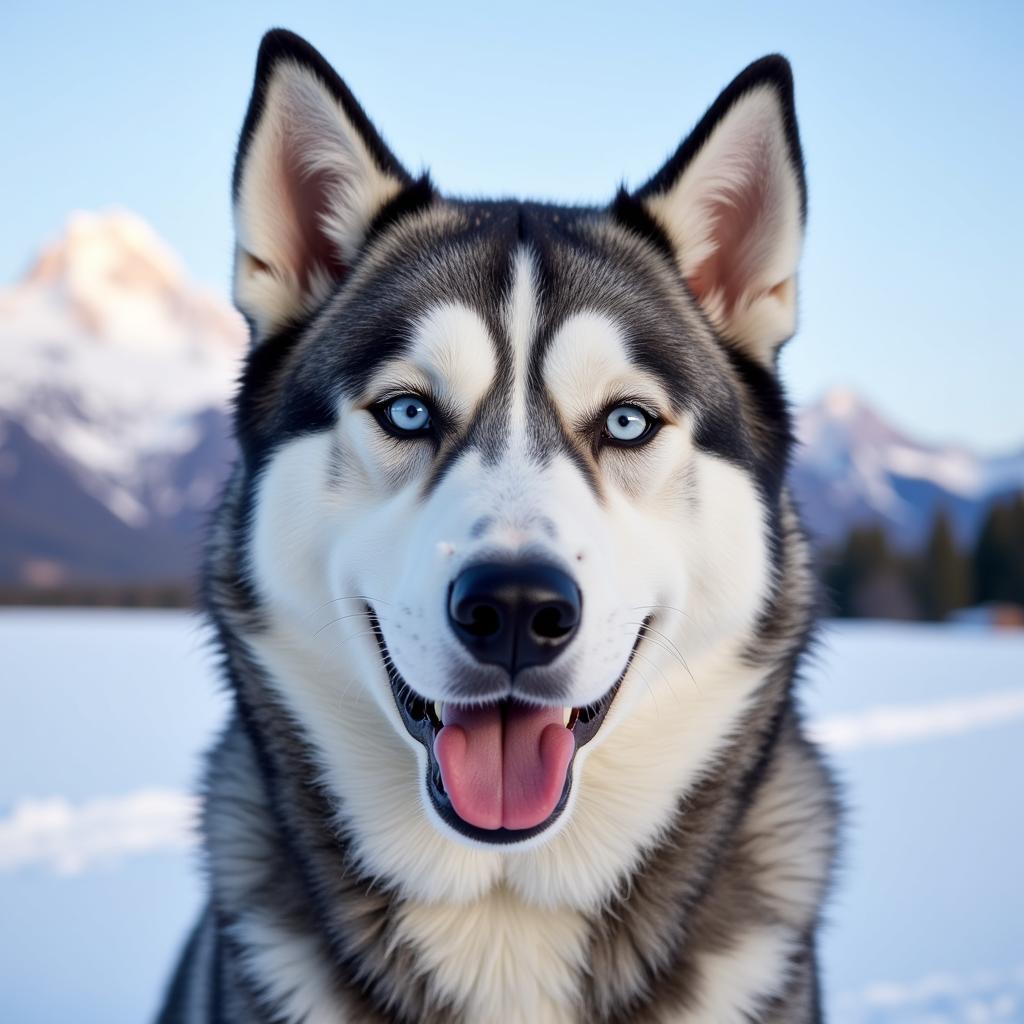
x=999, y=553
x=945, y=574
x=865, y=578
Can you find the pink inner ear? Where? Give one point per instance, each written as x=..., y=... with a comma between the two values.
x=311, y=250
x=740, y=229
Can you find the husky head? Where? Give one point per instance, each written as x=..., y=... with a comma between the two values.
x=508, y=513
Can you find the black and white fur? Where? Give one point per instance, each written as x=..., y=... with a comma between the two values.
x=683, y=879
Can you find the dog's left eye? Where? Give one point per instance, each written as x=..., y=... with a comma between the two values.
x=408, y=414
x=627, y=425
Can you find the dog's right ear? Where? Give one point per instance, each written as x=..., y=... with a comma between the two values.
x=311, y=174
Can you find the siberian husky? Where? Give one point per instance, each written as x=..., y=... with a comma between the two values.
x=510, y=590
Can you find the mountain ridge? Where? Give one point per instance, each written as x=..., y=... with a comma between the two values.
x=116, y=372
x=853, y=467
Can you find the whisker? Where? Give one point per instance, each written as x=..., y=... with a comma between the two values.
x=650, y=689
x=354, y=597
x=678, y=611
x=651, y=629
x=637, y=653
x=665, y=678
x=666, y=607
x=339, y=645
x=334, y=622
x=661, y=645
x=673, y=654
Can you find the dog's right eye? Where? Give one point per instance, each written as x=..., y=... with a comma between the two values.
x=628, y=426
x=407, y=415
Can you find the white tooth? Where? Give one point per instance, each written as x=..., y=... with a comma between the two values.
x=566, y=715
x=439, y=711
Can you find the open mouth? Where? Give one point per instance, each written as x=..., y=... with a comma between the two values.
x=498, y=772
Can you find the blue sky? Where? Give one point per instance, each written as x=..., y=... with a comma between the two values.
x=911, y=117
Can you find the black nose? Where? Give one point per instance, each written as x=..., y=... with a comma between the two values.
x=514, y=616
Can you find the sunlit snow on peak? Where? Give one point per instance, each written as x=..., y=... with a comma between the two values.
x=108, y=353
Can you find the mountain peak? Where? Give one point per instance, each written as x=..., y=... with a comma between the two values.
x=103, y=248
x=111, y=357
x=120, y=283
x=841, y=418
x=841, y=403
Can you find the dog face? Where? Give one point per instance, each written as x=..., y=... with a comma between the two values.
x=513, y=470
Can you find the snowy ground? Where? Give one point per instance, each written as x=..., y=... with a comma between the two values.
x=103, y=715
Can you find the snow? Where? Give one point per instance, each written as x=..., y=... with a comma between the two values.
x=105, y=715
x=953, y=469
x=69, y=839
x=891, y=725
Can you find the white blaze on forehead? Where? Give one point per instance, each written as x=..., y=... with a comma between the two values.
x=521, y=324
x=452, y=352
x=589, y=363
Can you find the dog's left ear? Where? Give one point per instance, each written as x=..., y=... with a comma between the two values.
x=311, y=175
x=732, y=203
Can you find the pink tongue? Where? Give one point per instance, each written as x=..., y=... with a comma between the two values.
x=503, y=771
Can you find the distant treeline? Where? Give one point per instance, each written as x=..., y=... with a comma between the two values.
x=171, y=594
x=865, y=578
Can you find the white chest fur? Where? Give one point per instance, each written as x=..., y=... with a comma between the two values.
x=500, y=959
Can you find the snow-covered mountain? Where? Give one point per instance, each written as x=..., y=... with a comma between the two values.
x=854, y=468
x=116, y=370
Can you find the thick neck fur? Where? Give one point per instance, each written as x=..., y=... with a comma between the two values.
x=712, y=919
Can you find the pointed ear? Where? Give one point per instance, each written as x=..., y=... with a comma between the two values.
x=732, y=203
x=311, y=174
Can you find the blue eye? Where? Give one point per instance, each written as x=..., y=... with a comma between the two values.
x=627, y=423
x=408, y=414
